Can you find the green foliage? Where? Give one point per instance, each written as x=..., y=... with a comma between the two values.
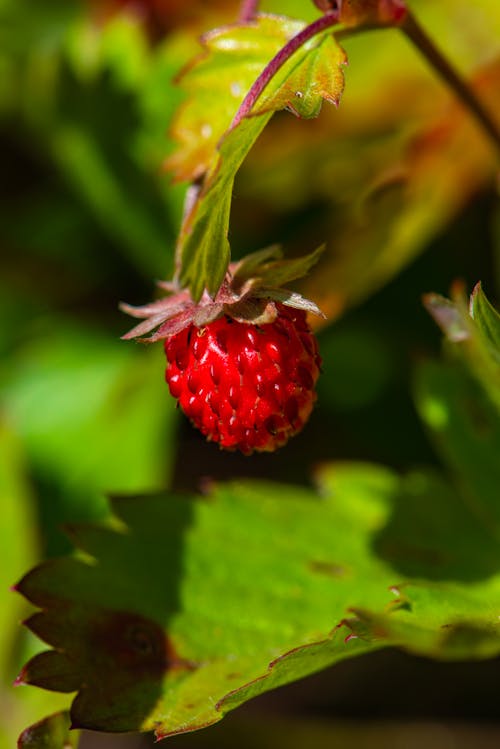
x=474, y=331
x=75, y=398
x=231, y=60
x=397, y=162
x=16, y=535
x=238, y=55
x=405, y=560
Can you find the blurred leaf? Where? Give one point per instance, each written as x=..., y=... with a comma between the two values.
x=120, y=46
x=18, y=543
x=391, y=168
x=466, y=429
x=179, y=657
x=87, y=405
x=94, y=416
x=82, y=98
x=416, y=194
x=269, y=266
x=129, y=222
x=450, y=317
x=473, y=329
x=51, y=733
x=458, y=409
x=203, y=247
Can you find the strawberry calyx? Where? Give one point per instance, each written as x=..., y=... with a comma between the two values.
x=249, y=293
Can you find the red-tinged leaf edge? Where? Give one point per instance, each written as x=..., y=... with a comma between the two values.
x=237, y=696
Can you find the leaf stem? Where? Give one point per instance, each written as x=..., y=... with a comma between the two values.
x=416, y=34
x=248, y=10
x=331, y=18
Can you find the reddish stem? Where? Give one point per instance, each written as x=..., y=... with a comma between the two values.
x=248, y=10
x=316, y=27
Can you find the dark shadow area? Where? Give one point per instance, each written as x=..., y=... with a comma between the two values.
x=432, y=534
x=387, y=700
x=109, y=620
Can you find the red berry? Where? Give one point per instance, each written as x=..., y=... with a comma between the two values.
x=244, y=386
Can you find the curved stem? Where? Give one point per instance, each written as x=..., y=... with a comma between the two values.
x=316, y=27
x=459, y=85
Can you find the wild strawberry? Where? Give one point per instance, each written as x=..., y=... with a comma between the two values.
x=249, y=387
x=243, y=365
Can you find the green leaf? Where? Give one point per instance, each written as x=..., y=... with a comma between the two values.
x=217, y=82
x=183, y=608
x=94, y=416
x=203, y=247
x=203, y=242
x=50, y=733
x=85, y=404
x=486, y=318
x=120, y=46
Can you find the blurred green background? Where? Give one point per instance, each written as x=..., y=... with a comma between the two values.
x=399, y=183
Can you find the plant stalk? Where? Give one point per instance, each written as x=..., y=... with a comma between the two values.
x=248, y=10
x=331, y=18
x=416, y=34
